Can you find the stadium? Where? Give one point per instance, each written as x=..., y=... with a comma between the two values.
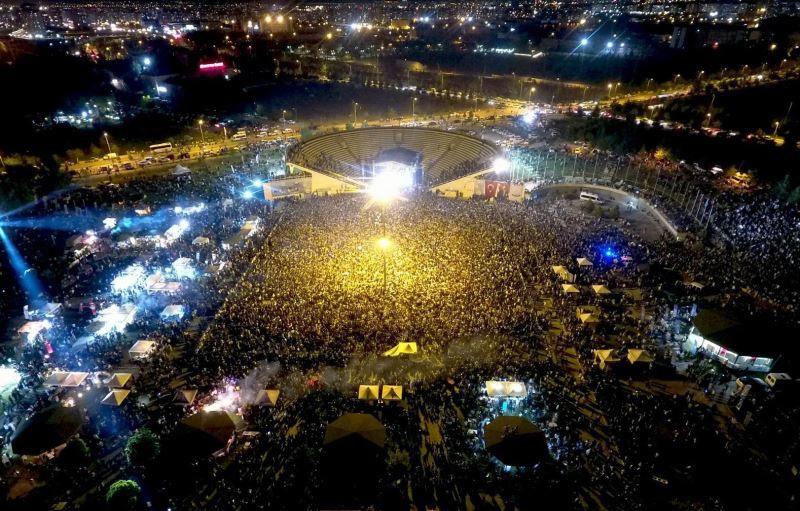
x=349, y=161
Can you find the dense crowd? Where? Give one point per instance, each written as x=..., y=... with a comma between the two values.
x=308, y=304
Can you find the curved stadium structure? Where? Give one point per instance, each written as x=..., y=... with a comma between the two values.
x=435, y=156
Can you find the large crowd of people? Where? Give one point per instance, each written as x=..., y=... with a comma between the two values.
x=309, y=303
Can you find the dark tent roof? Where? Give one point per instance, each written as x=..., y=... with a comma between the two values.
x=46, y=430
x=743, y=338
x=515, y=441
x=207, y=432
x=360, y=426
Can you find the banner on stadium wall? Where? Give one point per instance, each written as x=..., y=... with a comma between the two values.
x=480, y=187
x=517, y=192
x=496, y=189
x=288, y=187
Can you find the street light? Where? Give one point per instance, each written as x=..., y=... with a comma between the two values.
x=384, y=244
x=355, y=118
x=413, y=110
x=202, y=135
x=530, y=92
x=105, y=135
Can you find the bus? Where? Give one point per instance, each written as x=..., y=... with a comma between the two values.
x=161, y=148
x=592, y=197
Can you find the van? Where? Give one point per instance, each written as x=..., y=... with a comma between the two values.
x=591, y=197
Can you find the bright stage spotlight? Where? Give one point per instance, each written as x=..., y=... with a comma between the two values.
x=390, y=182
x=247, y=194
x=384, y=243
x=501, y=165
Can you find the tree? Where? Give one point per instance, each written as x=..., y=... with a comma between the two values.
x=794, y=197
x=781, y=189
x=123, y=495
x=142, y=448
x=74, y=454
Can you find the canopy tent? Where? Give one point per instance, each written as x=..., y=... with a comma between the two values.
x=201, y=240
x=392, y=392
x=173, y=313
x=515, y=441
x=636, y=356
x=74, y=379
x=118, y=380
x=31, y=329
x=582, y=262
x=368, y=392
x=358, y=427
x=563, y=273
x=588, y=318
x=205, y=433
x=114, y=318
x=56, y=378
x=505, y=389
x=402, y=348
x=46, y=430
x=142, y=349
x=352, y=460
x=570, y=288
x=267, y=397
x=601, y=289
x=185, y=397
x=180, y=170
x=42, y=310
x=182, y=267
x=116, y=397
x=604, y=358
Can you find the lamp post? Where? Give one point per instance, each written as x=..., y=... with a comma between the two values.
x=355, y=110
x=384, y=245
x=202, y=135
x=530, y=92
x=413, y=109
x=105, y=135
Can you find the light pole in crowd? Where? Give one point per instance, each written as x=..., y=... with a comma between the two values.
x=384, y=244
x=413, y=109
x=355, y=110
x=105, y=135
x=530, y=93
x=202, y=135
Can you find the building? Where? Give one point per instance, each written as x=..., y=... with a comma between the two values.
x=743, y=346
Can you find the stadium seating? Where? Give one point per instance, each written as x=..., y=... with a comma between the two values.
x=445, y=155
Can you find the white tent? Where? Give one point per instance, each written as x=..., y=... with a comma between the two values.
x=31, y=329
x=173, y=313
x=116, y=397
x=201, y=240
x=183, y=267
x=119, y=380
x=368, y=392
x=588, y=317
x=267, y=397
x=402, y=348
x=565, y=274
x=142, y=349
x=640, y=356
x=74, y=379
x=570, y=288
x=185, y=397
x=56, y=378
x=604, y=358
x=582, y=261
x=180, y=170
x=601, y=289
x=392, y=392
